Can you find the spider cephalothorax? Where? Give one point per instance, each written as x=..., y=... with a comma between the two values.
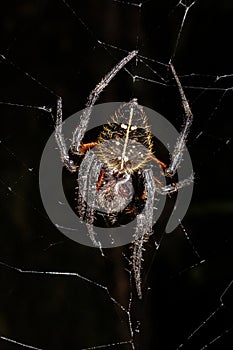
x=115, y=178
x=125, y=144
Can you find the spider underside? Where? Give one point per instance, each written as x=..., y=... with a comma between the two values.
x=122, y=151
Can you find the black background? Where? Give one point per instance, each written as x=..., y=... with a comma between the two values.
x=60, y=49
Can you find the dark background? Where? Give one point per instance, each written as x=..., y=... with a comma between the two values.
x=58, y=46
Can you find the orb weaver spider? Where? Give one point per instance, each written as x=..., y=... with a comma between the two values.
x=122, y=150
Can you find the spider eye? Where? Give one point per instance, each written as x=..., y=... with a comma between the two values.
x=134, y=127
x=123, y=126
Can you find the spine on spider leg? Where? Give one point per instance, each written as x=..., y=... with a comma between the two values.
x=94, y=95
x=180, y=144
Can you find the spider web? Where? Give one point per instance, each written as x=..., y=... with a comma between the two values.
x=56, y=294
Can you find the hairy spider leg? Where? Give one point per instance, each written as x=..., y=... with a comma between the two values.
x=84, y=119
x=164, y=190
x=163, y=165
x=59, y=137
x=145, y=222
x=90, y=213
x=89, y=196
x=84, y=174
x=94, y=95
x=167, y=189
x=178, y=151
x=143, y=229
x=84, y=147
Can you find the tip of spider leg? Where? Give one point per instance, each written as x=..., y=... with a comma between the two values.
x=134, y=52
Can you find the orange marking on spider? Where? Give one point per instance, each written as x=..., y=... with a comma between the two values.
x=86, y=146
x=158, y=182
x=100, y=180
x=163, y=165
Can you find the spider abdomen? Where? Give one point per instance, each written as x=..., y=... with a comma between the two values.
x=115, y=193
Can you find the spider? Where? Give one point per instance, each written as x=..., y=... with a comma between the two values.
x=117, y=161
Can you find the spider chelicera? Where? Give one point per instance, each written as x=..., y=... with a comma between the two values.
x=122, y=151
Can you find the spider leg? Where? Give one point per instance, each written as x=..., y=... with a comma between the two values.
x=85, y=117
x=89, y=175
x=177, y=154
x=61, y=140
x=86, y=146
x=159, y=162
x=143, y=229
x=92, y=193
x=83, y=176
x=167, y=189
